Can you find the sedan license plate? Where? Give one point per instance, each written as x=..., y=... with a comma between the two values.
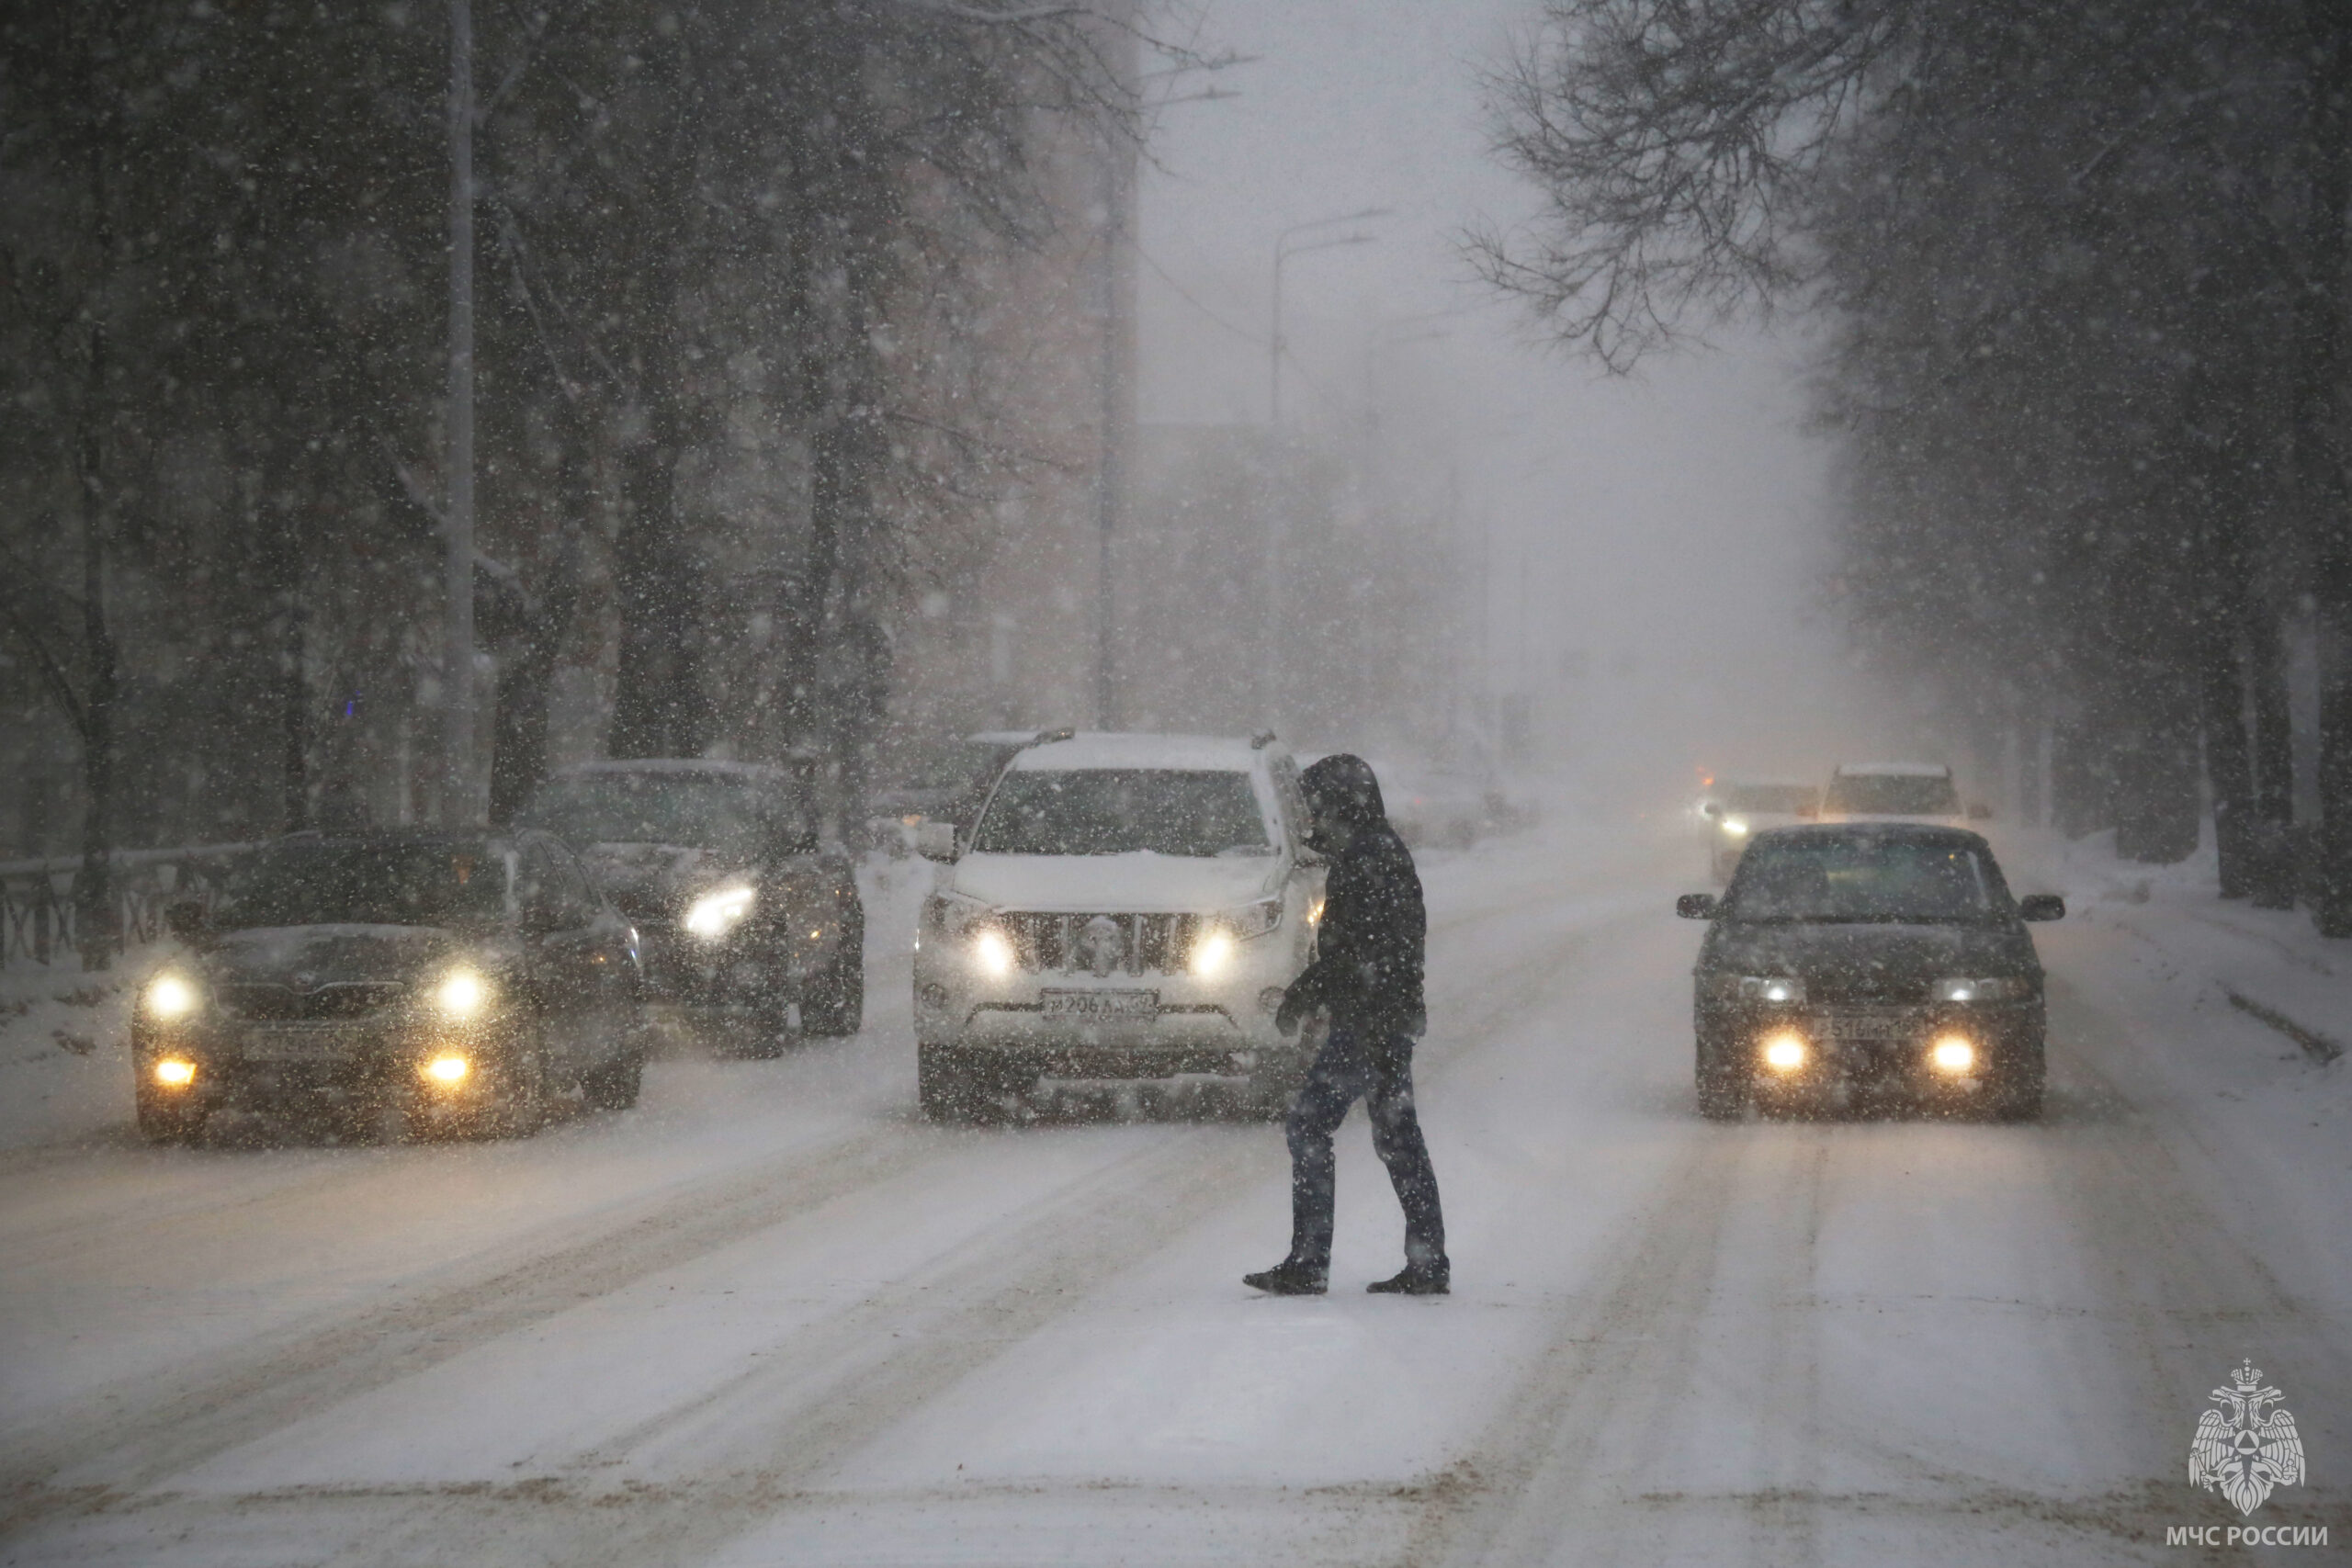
x=1121, y=1005
x=1868, y=1026
x=297, y=1045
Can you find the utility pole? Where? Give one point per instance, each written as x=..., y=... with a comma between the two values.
x=457, y=792
x=1281, y=493
x=1118, y=390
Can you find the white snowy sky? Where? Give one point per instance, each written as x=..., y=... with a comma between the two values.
x=1669, y=523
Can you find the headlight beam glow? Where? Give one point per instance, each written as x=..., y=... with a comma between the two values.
x=993, y=953
x=461, y=994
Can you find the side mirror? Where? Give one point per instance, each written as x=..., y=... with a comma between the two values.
x=1979, y=812
x=1696, y=906
x=186, y=918
x=1709, y=808
x=935, y=840
x=2041, y=907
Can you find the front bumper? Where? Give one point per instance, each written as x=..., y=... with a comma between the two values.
x=1866, y=1048
x=1150, y=1024
x=355, y=1063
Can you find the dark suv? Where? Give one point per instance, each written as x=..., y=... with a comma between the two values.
x=401, y=982
x=742, y=913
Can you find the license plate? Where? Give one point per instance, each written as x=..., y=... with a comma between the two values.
x=1124, y=1004
x=297, y=1045
x=1868, y=1026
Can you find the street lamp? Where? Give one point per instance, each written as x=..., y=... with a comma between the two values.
x=1284, y=251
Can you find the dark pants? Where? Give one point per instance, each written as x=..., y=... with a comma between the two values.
x=1381, y=1072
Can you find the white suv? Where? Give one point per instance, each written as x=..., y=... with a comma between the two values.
x=1125, y=906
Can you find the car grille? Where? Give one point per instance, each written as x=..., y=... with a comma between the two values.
x=1102, y=944
x=284, y=1004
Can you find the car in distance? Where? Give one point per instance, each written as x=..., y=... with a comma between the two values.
x=948, y=785
x=1896, y=792
x=1127, y=908
x=1860, y=959
x=403, y=983
x=742, y=911
x=1742, y=807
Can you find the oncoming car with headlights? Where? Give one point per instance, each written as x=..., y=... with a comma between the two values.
x=1129, y=908
x=1737, y=811
x=400, y=982
x=744, y=913
x=1850, y=960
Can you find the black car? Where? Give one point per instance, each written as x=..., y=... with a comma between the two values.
x=950, y=784
x=1851, y=959
x=742, y=912
x=401, y=982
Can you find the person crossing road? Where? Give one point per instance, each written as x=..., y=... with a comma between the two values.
x=1366, y=978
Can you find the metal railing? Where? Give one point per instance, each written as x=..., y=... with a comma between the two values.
x=38, y=923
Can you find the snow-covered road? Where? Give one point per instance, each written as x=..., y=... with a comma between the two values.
x=772, y=1317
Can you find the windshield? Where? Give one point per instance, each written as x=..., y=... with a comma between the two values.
x=1894, y=794
x=364, y=884
x=730, y=816
x=1841, y=879
x=1781, y=800
x=1110, y=811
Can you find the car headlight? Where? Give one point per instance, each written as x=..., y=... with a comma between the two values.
x=1952, y=1054
x=1756, y=988
x=449, y=1069
x=1734, y=827
x=720, y=911
x=993, y=951
x=462, y=994
x=171, y=996
x=1785, y=1053
x=1213, y=952
x=1993, y=989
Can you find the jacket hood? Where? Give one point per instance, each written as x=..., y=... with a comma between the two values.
x=1341, y=788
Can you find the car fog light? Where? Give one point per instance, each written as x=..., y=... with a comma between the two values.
x=1784, y=1052
x=175, y=1072
x=447, y=1069
x=993, y=953
x=1734, y=827
x=1952, y=1054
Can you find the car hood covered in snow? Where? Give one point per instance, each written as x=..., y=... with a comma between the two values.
x=1142, y=882
x=305, y=957
x=1867, y=956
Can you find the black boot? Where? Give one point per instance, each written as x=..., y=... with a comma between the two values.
x=1288, y=1278
x=1417, y=1279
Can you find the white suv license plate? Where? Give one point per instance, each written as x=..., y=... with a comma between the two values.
x=1121, y=1005
x=1868, y=1026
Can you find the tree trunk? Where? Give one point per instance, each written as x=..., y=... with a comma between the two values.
x=2319, y=435
x=96, y=926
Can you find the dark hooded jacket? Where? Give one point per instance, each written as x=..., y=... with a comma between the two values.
x=1367, y=968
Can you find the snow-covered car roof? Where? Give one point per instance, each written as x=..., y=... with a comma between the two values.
x=1902, y=770
x=1109, y=749
x=1001, y=736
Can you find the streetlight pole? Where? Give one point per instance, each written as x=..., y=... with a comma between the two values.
x=1278, y=496
x=457, y=655
x=1284, y=251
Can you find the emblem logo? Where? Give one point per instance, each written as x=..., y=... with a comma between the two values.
x=1101, y=947
x=2241, y=1449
